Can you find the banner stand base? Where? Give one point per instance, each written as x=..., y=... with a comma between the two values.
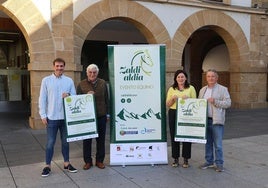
x=138, y=154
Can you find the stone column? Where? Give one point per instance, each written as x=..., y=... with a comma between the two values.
x=63, y=41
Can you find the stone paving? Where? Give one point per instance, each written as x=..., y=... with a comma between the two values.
x=245, y=152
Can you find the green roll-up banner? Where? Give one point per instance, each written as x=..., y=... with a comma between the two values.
x=138, y=111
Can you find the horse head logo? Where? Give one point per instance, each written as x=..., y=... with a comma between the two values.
x=143, y=58
x=80, y=104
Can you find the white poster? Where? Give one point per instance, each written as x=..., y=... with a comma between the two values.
x=80, y=117
x=191, y=120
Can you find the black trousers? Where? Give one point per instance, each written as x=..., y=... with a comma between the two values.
x=175, y=146
x=100, y=143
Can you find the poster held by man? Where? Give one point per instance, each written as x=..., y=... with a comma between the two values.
x=80, y=117
x=191, y=120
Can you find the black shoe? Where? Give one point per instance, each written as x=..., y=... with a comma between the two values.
x=46, y=172
x=219, y=169
x=70, y=168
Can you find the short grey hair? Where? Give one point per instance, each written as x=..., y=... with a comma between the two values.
x=214, y=71
x=92, y=66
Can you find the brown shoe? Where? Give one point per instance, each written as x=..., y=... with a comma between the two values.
x=87, y=166
x=185, y=163
x=100, y=165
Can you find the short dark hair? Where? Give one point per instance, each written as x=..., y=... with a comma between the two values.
x=59, y=60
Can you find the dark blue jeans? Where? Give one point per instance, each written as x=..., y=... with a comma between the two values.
x=52, y=129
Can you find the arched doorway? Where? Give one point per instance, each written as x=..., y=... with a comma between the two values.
x=209, y=33
x=206, y=49
x=39, y=50
x=142, y=21
x=14, y=59
x=110, y=31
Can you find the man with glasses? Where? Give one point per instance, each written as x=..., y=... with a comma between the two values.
x=96, y=86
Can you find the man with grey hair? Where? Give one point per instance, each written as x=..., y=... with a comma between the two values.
x=219, y=100
x=96, y=86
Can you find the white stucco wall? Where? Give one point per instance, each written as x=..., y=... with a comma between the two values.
x=244, y=3
x=172, y=16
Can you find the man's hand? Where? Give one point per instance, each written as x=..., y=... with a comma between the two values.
x=44, y=121
x=65, y=95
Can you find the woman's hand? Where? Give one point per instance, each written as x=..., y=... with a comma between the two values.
x=174, y=97
x=184, y=97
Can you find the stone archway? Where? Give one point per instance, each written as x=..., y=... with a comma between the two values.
x=143, y=19
x=229, y=31
x=233, y=36
x=40, y=43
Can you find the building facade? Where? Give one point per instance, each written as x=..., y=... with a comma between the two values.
x=192, y=31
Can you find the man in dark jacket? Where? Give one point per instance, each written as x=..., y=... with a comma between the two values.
x=97, y=87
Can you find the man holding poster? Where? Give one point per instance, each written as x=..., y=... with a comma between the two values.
x=53, y=89
x=97, y=87
x=218, y=99
x=180, y=89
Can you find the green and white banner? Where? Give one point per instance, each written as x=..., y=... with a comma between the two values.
x=191, y=120
x=138, y=114
x=80, y=117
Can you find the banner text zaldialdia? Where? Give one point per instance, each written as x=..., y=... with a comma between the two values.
x=126, y=87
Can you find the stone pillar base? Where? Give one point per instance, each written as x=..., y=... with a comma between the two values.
x=36, y=123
